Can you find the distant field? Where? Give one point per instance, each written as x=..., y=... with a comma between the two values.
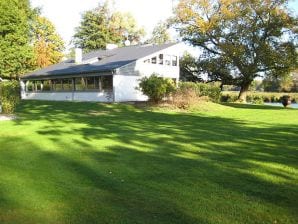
x=115, y=163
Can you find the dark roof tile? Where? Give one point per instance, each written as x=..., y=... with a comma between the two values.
x=109, y=61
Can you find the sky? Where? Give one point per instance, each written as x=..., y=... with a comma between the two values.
x=66, y=14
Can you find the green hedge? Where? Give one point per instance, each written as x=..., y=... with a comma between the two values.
x=212, y=90
x=258, y=97
x=9, y=96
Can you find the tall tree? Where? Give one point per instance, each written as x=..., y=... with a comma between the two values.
x=189, y=71
x=160, y=34
x=48, y=45
x=102, y=26
x=16, y=54
x=217, y=70
x=93, y=32
x=254, y=37
x=123, y=26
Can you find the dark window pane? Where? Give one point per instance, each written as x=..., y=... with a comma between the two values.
x=80, y=84
x=153, y=60
x=90, y=83
x=97, y=82
x=47, y=85
x=107, y=83
x=58, y=85
x=38, y=85
x=29, y=86
x=160, y=59
x=67, y=84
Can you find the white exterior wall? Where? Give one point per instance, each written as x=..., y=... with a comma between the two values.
x=125, y=89
x=127, y=77
x=68, y=96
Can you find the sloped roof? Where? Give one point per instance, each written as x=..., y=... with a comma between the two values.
x=109, y=61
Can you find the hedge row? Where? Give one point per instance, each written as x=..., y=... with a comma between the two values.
x=258, y=97
x=9, y=96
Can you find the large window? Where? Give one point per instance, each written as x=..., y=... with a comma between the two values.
x=47, y=85
x=57, y=85
x=107, y=83
x=93, y=83
x=80, y=84
x=34, y=85
x=163, y=59
x=67, y=84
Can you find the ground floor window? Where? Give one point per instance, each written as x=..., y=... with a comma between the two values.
x=92, y=83
x=102, y=83
x=107, y=83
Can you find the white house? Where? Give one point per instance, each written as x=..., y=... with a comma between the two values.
x=105, y=75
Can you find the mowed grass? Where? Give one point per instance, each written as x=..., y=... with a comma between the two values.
x=115, y=163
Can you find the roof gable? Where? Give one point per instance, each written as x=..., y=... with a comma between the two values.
x=99, y=61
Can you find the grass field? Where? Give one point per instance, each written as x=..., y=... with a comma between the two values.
x=101, y=163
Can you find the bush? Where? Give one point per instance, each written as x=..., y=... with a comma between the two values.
x=9, y=96
x=210, y=90
x=189, y=94
x=156, y=88
x=183, y=99
x=285, y=100
x=258, y=97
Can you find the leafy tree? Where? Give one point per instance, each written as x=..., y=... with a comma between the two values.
x=123, y=26
x=278, y=83
x=256, y=85
x=93, y=32
x=9, y=96
x=295, y=81
x=16, y=54
x=217, y=70
x=189, y=71
x=100, y=26
x=48, y=45
x=252, y=37
x=160, y=34
x=214, y=70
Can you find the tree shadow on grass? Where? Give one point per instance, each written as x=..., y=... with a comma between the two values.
x=119, y=164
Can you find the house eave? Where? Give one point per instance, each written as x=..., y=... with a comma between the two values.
x=71, y=75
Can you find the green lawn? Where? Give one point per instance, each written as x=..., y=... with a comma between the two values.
x=101, y=163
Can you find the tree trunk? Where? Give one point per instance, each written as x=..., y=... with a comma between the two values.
x=243, y=92
x=221, y=86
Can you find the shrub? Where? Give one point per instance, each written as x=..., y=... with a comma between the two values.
x=211, y=90
x=189, y=94
x=9, y=96
x=156, y=88
x=285, y=100
x=258, y=97
x=185, y=98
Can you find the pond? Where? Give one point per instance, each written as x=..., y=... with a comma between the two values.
x=293, y=105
